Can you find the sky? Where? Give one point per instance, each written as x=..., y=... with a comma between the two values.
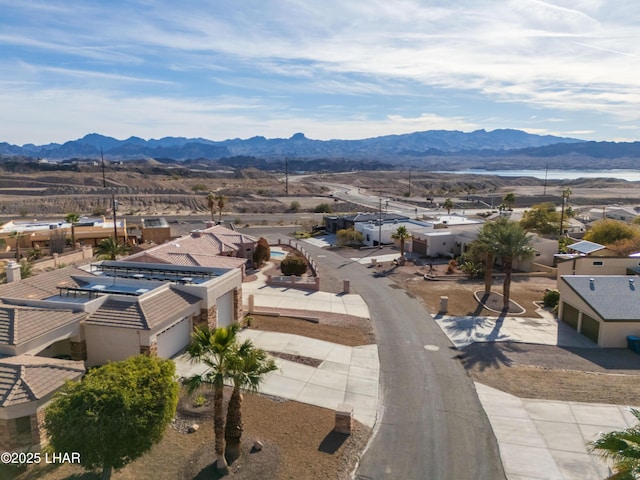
x=335, y=69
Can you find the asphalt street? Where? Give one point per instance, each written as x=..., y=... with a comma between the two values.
x=430, y=424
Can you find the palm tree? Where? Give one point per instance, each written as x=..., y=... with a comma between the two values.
x=72, y=218
x=248, y=365
x=211, y=203
x=623, y=448
x=109, y=248
x=213, y=348
x=507, y=240
x=481, y=249
x=448, y=204
x=220, y=199
x=401, y=234
x=17, y=236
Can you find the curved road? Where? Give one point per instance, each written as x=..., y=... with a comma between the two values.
x=430, y=422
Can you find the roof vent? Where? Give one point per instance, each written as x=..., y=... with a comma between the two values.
x=196, y=233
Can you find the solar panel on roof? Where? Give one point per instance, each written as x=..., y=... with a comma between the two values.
x=586, y=247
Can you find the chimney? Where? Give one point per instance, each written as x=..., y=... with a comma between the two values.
x=13, y=272
x=196, y=233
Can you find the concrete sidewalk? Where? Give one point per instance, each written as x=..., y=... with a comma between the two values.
x=539, y=439
x=346, y=375
x=546, y=439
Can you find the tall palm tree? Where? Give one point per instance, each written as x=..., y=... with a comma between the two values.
x=220, y=201
x=448, y=204
x=507, y=240
x=109, y=248
x=17, y=236
x=248, y=365
x=72, y=218
x=401, y=234
x=623, y=448
x=211, y=203
x=214, y=348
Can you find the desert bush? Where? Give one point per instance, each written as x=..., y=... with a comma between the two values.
x=293, y=265
x=451, y=267
x=322, y=208
x=551, y=298
x=472, y=269
x=262, y=253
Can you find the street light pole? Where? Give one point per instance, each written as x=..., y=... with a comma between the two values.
x=115, y=225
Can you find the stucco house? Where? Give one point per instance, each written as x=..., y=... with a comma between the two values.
x=54, y=325
x=600, y=297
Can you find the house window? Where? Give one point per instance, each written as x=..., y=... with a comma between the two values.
x=598, y=263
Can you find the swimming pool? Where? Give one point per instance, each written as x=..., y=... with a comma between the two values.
x=278, y=254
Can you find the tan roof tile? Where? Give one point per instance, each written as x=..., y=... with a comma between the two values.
x=25, y=378
x=20, y=324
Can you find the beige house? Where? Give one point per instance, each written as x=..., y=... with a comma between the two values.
x=600, y=298
x=55, y=324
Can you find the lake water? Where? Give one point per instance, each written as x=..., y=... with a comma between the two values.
x=631, y=175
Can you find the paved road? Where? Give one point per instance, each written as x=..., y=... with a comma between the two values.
x=431, y=424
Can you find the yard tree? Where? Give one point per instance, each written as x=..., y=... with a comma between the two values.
x=262, y=253
x=541, y=218
x=247, y=367
x=607, y=232
x=109, y=248
x=213, y=348
x=220, y=201
x=448, y=205
x=72, y=218
x=622, y=447
x=509, y=200
x=211, y=203
x=115, y=414
x=401, y=234
x=348, y=236
x=507, y=240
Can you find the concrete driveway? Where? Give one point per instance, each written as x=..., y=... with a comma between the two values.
x=539, y=439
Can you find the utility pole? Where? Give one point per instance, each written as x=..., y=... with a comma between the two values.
x=115, y=209
x=380, y=220
x=409, y=182
x=546, y=168
x=286, y=176
x=104, y=179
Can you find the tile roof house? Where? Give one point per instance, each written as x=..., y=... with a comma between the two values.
x=215, y=246
x=27, y=383
x=55, y=324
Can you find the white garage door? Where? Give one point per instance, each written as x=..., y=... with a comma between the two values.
x=225, y=309
x=174, y=339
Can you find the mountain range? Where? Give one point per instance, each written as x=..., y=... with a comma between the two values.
x=507, y=147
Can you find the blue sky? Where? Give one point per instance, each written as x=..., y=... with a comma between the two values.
x=331, y=69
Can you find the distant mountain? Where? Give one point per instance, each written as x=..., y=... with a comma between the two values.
x=389, y=147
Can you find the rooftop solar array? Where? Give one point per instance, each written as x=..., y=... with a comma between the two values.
x=159, y=272
x=585, y=247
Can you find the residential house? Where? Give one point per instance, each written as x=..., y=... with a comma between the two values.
x=57, y=323
x=600, y=297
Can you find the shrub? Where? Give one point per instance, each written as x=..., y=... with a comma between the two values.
x=551, y=298
x=322, y=208
x=262, y=253
x=452, y=266
x=293, y=265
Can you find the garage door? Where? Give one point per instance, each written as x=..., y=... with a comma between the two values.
x=570, y=315
x=174, y=338
x=225, y=309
